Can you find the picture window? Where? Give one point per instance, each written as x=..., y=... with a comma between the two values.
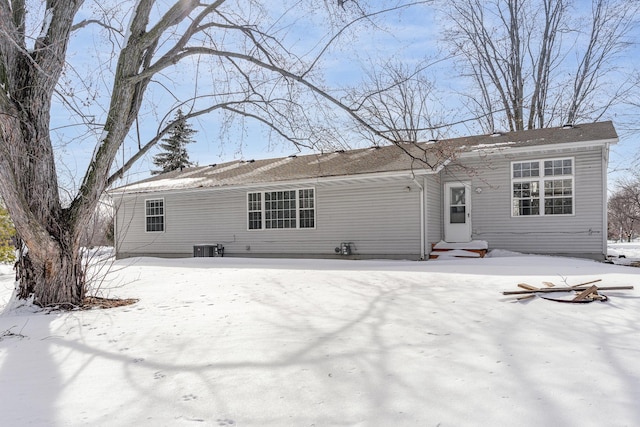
x=542, y=187
x=284, y=209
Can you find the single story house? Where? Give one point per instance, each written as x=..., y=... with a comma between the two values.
x=538, y=191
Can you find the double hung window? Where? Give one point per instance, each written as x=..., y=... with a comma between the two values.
x=255, y=210
x=154, y=215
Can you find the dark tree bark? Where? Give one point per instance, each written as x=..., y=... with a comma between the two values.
x=50, y=268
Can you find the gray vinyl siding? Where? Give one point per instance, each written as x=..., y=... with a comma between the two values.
x=380, y=218
x=580, y=234
x=434, y=212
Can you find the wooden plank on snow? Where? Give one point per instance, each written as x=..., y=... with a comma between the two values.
x=585, y=294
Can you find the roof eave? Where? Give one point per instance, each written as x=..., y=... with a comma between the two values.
x=302, y=181
x=539, y=147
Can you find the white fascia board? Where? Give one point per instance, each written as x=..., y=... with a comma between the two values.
x=539, y=148
x=409, y=174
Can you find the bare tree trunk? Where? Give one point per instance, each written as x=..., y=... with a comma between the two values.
x=553, y=12
x=515, y=65
x=57, y=280
x=49, y=268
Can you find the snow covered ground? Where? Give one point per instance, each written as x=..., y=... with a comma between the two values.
x=255, y=342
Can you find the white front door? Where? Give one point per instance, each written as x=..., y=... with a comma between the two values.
x=457, y=212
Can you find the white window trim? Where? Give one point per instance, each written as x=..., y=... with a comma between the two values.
x=164, y=215
x=541, y=180
x=263, y=215
x=261, y=211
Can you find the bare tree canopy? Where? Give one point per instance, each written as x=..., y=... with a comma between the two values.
x=246, y=63
x=624, y=210
x=400, y=102
x=537, y=63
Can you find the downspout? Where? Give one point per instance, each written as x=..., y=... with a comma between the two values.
x=115, y=228
x=422, y=220
x=605, y=194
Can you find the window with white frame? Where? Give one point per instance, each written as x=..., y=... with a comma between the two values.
x=154, y=215
x=281, y=209
x=542, y=187
x=255, y=210
x=307, y=208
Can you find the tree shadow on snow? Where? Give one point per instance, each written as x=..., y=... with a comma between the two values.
x=30, y=378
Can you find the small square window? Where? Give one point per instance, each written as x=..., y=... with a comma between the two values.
x=525, y=169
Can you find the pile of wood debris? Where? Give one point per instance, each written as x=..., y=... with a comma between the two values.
x=580, y=293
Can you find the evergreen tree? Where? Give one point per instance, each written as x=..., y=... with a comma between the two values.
x=175, y=154
x=7, y=233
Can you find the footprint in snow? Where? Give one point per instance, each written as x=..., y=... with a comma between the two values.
x=188, y=397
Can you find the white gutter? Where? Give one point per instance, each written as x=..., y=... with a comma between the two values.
x=422, y=220
x=510, y=149
x=305, y=181
x=116, y=241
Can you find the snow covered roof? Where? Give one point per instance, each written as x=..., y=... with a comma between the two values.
x=418, y=158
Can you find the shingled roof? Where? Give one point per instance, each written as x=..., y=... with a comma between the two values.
x=427, y=157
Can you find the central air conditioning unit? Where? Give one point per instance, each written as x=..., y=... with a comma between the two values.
x=208, y=250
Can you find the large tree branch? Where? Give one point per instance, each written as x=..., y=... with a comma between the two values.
x=86, y=22
x=266, y=66
x=118, y=174
x=350, y=24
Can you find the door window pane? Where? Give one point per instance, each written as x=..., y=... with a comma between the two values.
x=457, y=196
x=457, y=205
x=457, y=214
